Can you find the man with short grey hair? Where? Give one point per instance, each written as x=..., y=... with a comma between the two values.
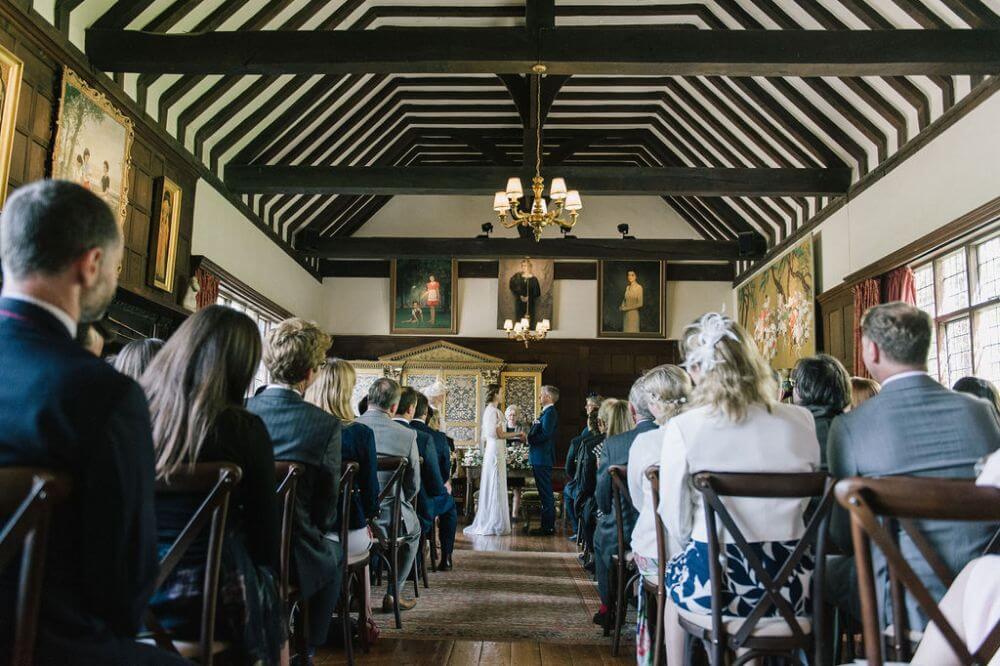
x=913, y=427
x=616, y=450
x=542, y=455
x=62, y=408
x=394, y=439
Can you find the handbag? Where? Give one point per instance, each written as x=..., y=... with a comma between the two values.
x=371, y=631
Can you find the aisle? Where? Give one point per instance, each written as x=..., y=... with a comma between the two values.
x=509, y=600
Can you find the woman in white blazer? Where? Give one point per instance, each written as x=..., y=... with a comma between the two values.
x=734, y=424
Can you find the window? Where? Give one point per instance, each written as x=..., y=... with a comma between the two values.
x=264, y=324
x=960, y=290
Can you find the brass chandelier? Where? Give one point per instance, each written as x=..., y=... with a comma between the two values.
x=522, y=331
x=542, y=214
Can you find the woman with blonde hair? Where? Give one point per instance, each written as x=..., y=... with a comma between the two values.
x=196, y=386
x=863, y=388
x=667, y=389
x=332, y=392
x=734, y=424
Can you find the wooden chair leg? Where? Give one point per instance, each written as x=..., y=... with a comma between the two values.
x=621, y=610
x=394, y=578
x=345, y=618
x=302, y=630
x=612, y=585
x=366, y=607
x=434, y=547
x=415, y=569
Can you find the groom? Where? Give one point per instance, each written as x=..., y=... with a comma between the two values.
x=542, y=451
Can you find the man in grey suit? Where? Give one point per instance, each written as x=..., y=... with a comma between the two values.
x=914, y=427
x=616, y=450
x=394, y=439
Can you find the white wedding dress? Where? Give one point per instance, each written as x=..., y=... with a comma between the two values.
x=493, y=515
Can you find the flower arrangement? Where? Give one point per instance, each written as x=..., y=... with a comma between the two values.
x=473, y=457
x=517, y=456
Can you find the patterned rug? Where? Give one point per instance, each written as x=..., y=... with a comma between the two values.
x=503, y=596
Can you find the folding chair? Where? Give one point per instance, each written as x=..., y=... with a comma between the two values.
x=388, y=551
x=216, y=481
x=623, y=573
x=760, y=636
x=879, y=509
x=27, y=497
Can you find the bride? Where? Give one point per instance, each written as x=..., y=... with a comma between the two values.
x=493, y=515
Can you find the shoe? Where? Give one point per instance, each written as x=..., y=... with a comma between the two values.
x=541, y=531
x=600, y=618
x=445, y=564
x=403, y=604
x=572, y=538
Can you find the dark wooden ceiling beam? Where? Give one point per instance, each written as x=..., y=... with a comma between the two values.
x=556, y=248
x=678, y=181
x=566, y=50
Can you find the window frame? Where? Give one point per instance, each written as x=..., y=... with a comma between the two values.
x=969, y=246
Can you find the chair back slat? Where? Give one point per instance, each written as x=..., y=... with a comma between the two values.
x=216, y=481
x=348, y=471
x=289, y=473
x=27, y=497
x=653, y=475
x=619, y=490
x=715, y=485
x=875, y=506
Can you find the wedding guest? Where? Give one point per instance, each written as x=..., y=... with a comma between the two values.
x=821, y=384
x=972, y=603
x=294, y=351
x=616, y=452
x=196, y=386
x=542, y=452
x=586, y=506
x=591, y=406
x=445, y=509
x=331, y=392
x=62, y=408
x=578, y=448
x=734, y=424
x=394, y=439
x=667, y=388
x=914, y=426
x=981, y=388
x=863, y=388
x=135, y=357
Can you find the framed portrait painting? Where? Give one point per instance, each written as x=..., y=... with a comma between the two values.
x=525, y=290
x=424, y=298
x=93, y=143
x=11, y=69
x=166, y=222
x=631, y=299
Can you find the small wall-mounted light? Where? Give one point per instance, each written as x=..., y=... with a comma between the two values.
x=623, y=230
x=487, y=230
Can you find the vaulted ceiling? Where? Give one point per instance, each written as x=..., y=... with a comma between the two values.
x=471, y=119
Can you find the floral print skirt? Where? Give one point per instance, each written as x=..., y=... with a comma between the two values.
x=689, y=586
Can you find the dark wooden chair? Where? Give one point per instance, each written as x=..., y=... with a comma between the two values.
x=27, y=497
x=623, y=573
x=880, y=509
x=387, y=551
x=355, y=574
x=346, y=491
x=216, y=481
x=773, y=637
x=290, y=473
x=656, y=595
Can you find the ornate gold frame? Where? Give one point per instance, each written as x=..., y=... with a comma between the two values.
x=661, y=333
x=100, y=99
x=166, y=185
x=8, y=116
x=452, y=327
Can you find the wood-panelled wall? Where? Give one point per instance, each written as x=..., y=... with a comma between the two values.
x=836, y=314
x=31, y=159
x=576, y=367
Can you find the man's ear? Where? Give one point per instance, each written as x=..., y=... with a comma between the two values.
x=88, y=266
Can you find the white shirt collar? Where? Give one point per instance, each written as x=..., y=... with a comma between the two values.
x=903, y=375
x=419, y=421
x=546, y=406
x=53, y=310
x=282, y=386
x=400, y=419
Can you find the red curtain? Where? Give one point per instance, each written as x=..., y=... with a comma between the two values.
x=900, y=286
x=208, y=291
x=866, y=295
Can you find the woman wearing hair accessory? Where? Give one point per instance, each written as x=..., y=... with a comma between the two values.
x=733, y=424
x=668, y=388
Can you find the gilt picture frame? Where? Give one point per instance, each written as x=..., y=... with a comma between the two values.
x=93, y=143
x=163, y=232
x=11, y=70
x=424, y=296
x=631, y=298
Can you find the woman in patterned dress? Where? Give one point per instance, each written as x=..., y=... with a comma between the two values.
x=735, y=424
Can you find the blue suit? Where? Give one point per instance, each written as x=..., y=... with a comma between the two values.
x=444, y=505
x=541, y=454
